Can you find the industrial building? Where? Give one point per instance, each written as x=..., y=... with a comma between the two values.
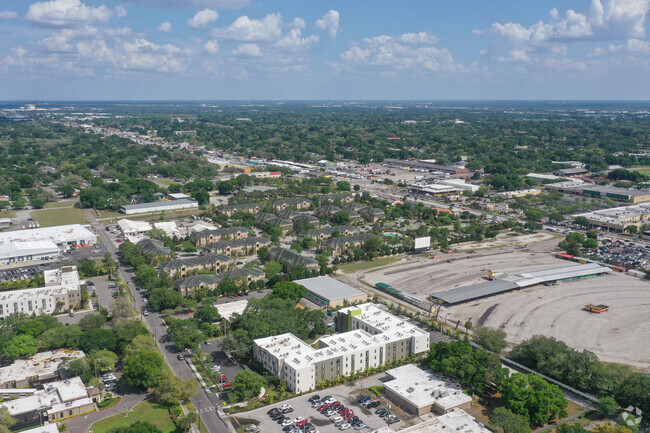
x=506, y=284
x=419, y=392
x=568, y=172
x=159, y=206
x=371, y=337
x=433, y=189
x=57, y=400
x=618, y=218
x=34, y=244
x=519, y=193
x=47, y=428
x=328, y=292
x=43, y=367
x=459, y=183
x=62, y=291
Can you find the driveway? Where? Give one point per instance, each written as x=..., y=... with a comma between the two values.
x=81, y=424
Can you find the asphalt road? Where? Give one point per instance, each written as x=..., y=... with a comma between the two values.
x=205, y=402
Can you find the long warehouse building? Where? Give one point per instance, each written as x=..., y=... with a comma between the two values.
x=460, y=295
x=44, y=242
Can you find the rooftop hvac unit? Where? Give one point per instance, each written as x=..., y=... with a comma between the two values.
x=410, y=389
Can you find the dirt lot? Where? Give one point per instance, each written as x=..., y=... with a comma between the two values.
x=618, y=335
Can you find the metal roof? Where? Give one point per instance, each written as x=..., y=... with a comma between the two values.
x=329, y=288
x=467, y=293
x=527, y=279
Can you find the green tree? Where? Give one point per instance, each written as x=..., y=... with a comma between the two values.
x=102, y=360
x=170, y=389
x=571, y=428
x=534, y=214
x=343, y=185
x=143, y=369
x=92, y=321
x=581, y=221
x=20, y=346
x=6, y=420
x=61, y=336
x=530, y=396
x=185, y=334
x=122, y=309
x=508, y=421
x=289, y=290
x=247, y=384
x=591, y=243
x=207, y=313
x=140, y=343
x=607, y=405
x=490, y=339
x=98, y=339
x=263, y=254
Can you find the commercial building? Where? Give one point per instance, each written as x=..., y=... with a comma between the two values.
x=568, y=172
x=506, y=284
x=427, y=166
x=34, y=244
x=433, y=189
x=328, y=292
x=618, y=218
x=418, y=391
x=57, y=400
x=543, y=176
x=47, y=428
x=459, y=183
x=23, y=251
x=133, y=229
x=456, y=420
x=229, y=309
x=602, y=191
x=43, y=367
x=62, y=291
x=159, y=206
x=519, y=193
x=371, y=337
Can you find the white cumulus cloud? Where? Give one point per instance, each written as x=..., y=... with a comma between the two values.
x=68, y=13
x=165, y=27
x=211, y=47
x=190, y=4
x=247, y=50
x=7, y=15
x=202, y=18
x=330, y=22
x=244, y=29
x=293, y=41
x=409, y=52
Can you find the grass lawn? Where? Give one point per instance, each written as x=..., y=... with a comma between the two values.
x=108, y=402
x=165, y=181
x=58, y=204
x=362, y=266
x=58, y=217
x=642, y=170
x=109, y=214
x=8, y=214
x=145, y=411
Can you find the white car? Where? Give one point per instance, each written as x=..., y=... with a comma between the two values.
x=297, y=420
x=286, y=423
x=337, y=419
x=284, y=406
x=344, y=427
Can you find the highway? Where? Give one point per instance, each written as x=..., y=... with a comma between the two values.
x=205, y=402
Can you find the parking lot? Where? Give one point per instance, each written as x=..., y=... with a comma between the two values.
x=348, y=395
x=628, y=254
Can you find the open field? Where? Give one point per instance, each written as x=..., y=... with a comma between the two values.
x=615, y=336
x=58, y=204
x=145, y=411
x=642, y=170
x=57, y=217
x=362, y=266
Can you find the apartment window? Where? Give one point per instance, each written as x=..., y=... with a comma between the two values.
x=29, y=305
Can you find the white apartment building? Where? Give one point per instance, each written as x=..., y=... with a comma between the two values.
x=371, y=337
x=62, y=290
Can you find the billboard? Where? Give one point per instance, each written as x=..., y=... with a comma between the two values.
x=422, y=244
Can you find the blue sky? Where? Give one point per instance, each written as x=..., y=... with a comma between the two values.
x=317, y=49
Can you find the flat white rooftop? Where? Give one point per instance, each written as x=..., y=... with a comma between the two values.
x=422, y=388
x=382, y=320
x=48, y=428
x=329, y=288
x=284, y=345
x=41, y=364
x=228, y=309
x=56, y=234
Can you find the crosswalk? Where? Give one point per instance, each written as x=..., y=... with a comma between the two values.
x=207, y=409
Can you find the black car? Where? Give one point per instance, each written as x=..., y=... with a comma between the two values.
x=287, y=428
x=353, y=419
x=272, y=411
x=283, y=419
x=287, y=410
x=364, y=398
x=373, y=405
x=313, y=398
x=355, y=423
x=307, y=427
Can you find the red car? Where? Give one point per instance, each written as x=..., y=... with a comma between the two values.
x=323, y=407
x=301, y=423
